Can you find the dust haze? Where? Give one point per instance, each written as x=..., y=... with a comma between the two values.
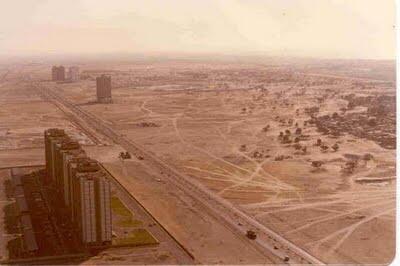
x=329, y=29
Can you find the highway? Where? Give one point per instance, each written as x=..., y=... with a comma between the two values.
x=161, y=233
x=267, y=242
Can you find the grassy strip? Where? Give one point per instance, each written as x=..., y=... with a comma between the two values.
x=127, y=219
x=119, y=208
x=136, y=237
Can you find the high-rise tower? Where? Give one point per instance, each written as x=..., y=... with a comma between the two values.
x=103, y=89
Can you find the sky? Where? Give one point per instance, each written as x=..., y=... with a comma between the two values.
x=303, y=28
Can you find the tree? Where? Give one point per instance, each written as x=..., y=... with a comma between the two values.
x=316, y=164
x=297, y=146
x=243, y=147
x=368, y=157
x=324, y=148
x=280, y=134
x=287, y=132
x=350, y=166
x=265, y=129
x=319, y=142
x=335, y=147
x=304, y=149
x=296, y=139
x=286, y=139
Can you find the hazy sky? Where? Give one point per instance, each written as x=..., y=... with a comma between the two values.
x=316, y=28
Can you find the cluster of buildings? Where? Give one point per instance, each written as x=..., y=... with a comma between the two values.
x=58, y=73
x=82, y=185
x=103, y=82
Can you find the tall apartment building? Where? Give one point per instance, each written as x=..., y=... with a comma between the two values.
x=54, y=73
x=83, y=187
x=65, y=150
x=91, y=202
x=73, y=74
x=103, y=89
x=51, y=137
x=72, y=166
x=58, y=73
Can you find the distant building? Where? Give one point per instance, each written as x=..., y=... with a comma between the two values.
x=103, y=89
x=58, y=73
x=73, y=74
x=54, y=73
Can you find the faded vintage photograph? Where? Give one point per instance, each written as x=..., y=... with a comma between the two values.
x=188, y=132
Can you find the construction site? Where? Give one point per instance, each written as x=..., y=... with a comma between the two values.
x=194, y=162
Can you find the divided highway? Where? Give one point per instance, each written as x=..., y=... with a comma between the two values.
x=267, y=242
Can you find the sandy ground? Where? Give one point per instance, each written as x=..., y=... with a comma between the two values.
x=200, y=133
x=209, y=241
x=324, y=211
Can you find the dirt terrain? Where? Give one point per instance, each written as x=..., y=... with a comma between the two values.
x=294, y=147
x=18, y=89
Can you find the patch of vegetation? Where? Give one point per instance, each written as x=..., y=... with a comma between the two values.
x=129, y=222
x=136, y=237
x=119, y=208
x=126, y=219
